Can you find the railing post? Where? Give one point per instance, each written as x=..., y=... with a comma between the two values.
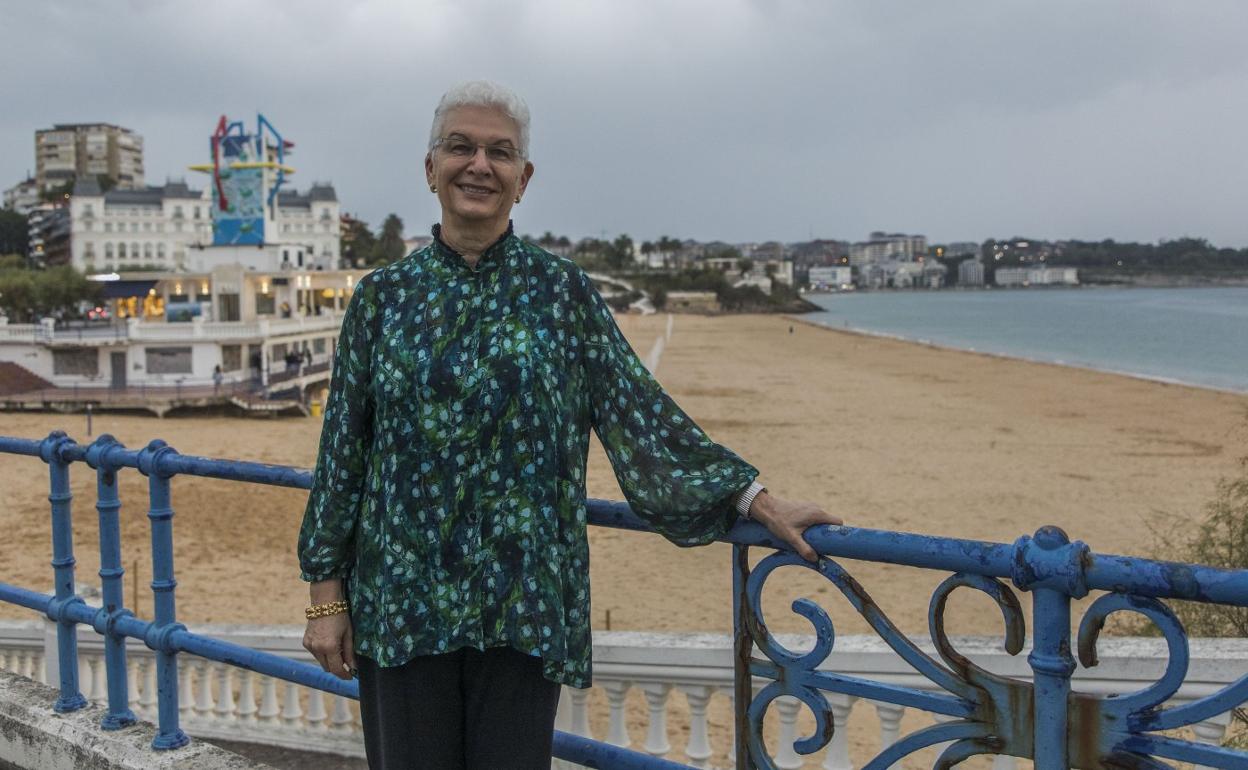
x=1053, y=569
x=59, y=495
x=160, y=512
x=1052, y=665
x=742, y=649
x=108, y=503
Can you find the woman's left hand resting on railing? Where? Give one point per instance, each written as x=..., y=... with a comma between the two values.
x=788, y=519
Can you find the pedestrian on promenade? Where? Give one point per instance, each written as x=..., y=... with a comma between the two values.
x=217, y=377
x=444, y=535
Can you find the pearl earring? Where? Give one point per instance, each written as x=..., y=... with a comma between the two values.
x=433, y=188
x=517, y=199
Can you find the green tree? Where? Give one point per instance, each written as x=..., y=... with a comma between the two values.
x=27, y=295
x=668, y=247
x=17, y=295
x=390, y=244
x=14, y=233
x=358, y=242
x=745, y=265
x=622, y=251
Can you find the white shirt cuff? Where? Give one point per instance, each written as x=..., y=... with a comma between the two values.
x=746, y=498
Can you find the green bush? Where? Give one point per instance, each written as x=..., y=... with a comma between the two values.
x=1220, y=539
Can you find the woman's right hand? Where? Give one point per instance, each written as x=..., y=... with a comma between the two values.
x=329, y=638
x=330, y=642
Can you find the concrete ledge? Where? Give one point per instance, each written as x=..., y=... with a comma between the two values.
x=34, y=737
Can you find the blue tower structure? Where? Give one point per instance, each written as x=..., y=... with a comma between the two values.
x=247, y=172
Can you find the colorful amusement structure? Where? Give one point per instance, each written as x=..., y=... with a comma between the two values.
x=247, y=172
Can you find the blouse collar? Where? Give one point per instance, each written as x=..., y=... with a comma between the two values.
x=488, y=257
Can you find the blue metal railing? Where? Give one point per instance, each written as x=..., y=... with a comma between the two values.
x=1040, y=719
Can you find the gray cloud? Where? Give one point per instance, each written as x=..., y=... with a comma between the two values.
x=730, y=120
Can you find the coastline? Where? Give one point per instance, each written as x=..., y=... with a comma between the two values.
x=1008, y=357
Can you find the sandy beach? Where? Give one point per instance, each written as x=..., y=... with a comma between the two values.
x=887, y=434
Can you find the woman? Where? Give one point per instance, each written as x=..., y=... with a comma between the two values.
x=448, y=504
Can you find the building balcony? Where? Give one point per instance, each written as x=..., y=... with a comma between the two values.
x=135, y=330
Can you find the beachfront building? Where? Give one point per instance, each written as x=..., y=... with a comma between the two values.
x=970, y=272
x=169, y=228
x=1037, y=276
x=897, y=274
x=884, y=247
x=836, y=278
x=761, y=273
x=71, y=151
x=265, y=330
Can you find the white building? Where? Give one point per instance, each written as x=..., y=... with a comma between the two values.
x=883, y=247
x=824, y=278
x=22, y=197
x=970, y=272
x=1037, y=276
x=762, y=272
x=173, y=329
x=170, y=228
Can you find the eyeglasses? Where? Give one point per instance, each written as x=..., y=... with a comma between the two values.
x=463, y=149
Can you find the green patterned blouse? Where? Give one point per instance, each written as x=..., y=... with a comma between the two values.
x=449, y=489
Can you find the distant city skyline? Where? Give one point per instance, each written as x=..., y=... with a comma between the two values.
x=732, y=121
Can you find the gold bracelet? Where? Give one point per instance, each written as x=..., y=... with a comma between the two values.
x=325, y=610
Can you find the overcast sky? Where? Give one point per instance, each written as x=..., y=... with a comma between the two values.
x=739, y=121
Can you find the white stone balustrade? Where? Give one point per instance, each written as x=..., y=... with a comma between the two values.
x=672, y=685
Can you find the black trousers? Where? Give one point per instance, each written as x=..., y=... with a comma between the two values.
x=463, y=710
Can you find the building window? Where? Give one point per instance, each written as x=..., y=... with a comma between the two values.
x=231, y=356
x=88, y=251
x=79, y=361
x=134, y=250
x=318, y=345
x=160, y=250
x=134, y=227
x=108, y=227
x=177, y=212
x=168, y=360
x=265, y=304
x=147, y=227
x=196, y=212
x=121, y=251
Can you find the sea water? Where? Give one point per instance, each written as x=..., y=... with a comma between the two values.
x=1192, y=335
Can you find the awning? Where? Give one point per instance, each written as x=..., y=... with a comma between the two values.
x=122, y=289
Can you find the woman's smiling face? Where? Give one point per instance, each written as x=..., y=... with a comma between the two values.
x=476, y=190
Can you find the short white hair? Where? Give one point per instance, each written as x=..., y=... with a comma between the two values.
x=482, y=93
